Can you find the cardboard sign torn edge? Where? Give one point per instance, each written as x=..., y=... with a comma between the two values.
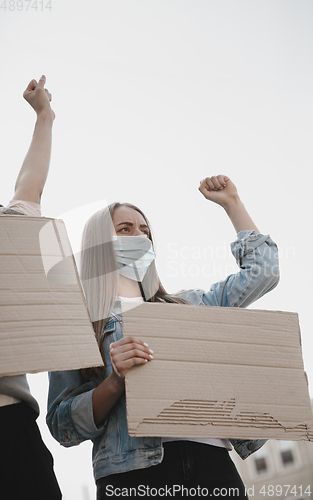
x=45, y=323
x=176, y=396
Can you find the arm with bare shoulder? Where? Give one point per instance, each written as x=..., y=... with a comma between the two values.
x=34, y=171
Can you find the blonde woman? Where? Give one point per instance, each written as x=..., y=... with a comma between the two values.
x=90, y=404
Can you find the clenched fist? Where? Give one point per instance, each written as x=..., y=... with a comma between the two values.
x=219, y=189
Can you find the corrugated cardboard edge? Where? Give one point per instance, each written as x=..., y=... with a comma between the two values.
x=78, y=364
x=303, y=431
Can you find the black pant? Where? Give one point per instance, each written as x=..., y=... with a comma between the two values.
x=26, y=465
x=188, y=468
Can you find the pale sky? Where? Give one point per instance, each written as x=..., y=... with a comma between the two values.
x=151, y=96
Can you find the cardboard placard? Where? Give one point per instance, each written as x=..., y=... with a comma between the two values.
x=217, y=373
x=45, y=324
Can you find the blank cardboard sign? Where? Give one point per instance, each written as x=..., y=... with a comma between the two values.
x=45, y=324
x=217, y=373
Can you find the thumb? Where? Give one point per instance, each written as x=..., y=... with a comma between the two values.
x=202, y=186
x=42, y=81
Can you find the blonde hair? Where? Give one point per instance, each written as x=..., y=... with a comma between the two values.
x=98, y=270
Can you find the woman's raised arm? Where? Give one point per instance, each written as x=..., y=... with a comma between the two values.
x=256, y=254
x=34, y=171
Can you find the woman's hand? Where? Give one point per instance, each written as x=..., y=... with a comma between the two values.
x=39, y=97
x=128, y=352
x=219, y=189
x=124, y=354
x=222, y=191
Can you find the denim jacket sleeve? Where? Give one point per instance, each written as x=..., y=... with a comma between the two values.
x=244, y=448
x=70, y=413
x=257, y=257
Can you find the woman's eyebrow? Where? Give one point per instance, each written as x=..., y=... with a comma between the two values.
x=131, y=224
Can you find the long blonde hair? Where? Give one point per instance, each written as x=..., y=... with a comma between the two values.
x=98, y=270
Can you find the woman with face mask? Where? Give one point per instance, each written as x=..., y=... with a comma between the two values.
x=118, y=272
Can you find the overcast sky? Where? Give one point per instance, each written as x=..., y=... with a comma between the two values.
x=151, y=96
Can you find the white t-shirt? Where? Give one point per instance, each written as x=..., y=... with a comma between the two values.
x=27, y=207
x=128, y=303
x=32, y=209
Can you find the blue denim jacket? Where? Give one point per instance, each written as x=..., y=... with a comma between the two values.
x=70, y=413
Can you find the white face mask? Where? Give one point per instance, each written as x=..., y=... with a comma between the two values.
x=134, y=255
